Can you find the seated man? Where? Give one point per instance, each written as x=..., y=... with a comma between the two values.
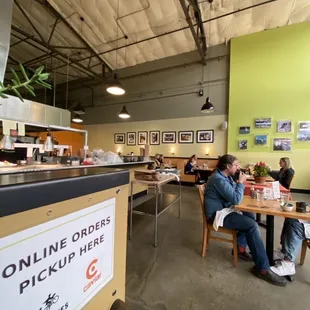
x=221, y=195
x=293, y=233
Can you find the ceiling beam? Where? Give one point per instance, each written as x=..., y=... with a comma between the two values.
x=86, y=70
x=29, y=20
x=201, y=51
x=77, y=34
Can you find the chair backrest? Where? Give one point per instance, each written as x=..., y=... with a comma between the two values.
x=201, y=190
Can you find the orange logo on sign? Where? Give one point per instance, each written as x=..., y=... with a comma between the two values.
x=91, y=269
x=92, y=274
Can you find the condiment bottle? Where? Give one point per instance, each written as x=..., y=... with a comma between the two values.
x=252, y=192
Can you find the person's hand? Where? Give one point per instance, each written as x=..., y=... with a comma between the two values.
x=242, y=177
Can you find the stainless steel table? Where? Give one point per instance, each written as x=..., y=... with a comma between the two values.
x=157, y=205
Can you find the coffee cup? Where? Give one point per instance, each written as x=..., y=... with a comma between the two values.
x=302, y=207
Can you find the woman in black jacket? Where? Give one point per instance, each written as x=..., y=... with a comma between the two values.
x=286, y=173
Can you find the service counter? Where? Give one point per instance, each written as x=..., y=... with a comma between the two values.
x=63, y=238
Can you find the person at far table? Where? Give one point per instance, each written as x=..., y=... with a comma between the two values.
x=293, y=233
x=190, y=168
x=221, y=194
x=286, y=173
x=157, y=160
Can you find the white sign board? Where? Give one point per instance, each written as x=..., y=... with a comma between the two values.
x=61, y=264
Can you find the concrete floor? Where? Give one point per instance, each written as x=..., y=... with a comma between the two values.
x=175, y=276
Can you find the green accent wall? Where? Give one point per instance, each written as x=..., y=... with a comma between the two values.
x=270, y=77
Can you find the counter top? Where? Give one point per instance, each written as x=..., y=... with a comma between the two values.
x=25, y=191
x=52, y=167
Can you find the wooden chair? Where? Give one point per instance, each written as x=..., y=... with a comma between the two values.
x=208, y=228
x=305, y=245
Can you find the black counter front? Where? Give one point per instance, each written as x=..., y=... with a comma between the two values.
x=26, y=191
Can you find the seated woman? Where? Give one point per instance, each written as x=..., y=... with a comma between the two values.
x=286, y=172
x=190, y=165
x=157, y=160
x=189, y=168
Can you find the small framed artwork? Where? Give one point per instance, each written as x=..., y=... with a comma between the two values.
x=142, y=137
x=131, y=138
x=244, y=130
x=261, y=139
x=154, y=137
x=242, y=144
x=282, y=144
x=284, y=126
x=263, y=122
x=169, y=137
x=119, y=138
x=186, y=137
x=205, y=136
x=303, y=131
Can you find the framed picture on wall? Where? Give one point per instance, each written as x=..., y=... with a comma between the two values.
x=205, y=136
x=186, y=137
x=142, y=137
x=282, y=144
x=154, y=137
x=169, y=137
x=243, y=145
x=263, y=122
x=244, y=130
x=261, y=139
x=131, y=138
x=303, y=131
x=284, y=126
x=119, y=138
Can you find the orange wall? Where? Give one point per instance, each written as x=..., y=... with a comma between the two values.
x=75, y=139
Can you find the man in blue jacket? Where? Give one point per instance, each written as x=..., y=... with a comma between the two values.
x=221, y=195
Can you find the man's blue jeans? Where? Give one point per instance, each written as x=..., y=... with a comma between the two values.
x=249, y=234
x=291, y=238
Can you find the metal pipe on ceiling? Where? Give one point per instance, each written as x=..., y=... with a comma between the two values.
x=87, y=70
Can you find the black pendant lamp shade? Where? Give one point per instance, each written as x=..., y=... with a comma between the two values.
x=124, y=113
x=207, y=107
x=115, y=87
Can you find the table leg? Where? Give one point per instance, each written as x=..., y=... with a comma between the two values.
x=270, y=238
x=131, y=209
x=258, y=217
x=156, y=215
x=180, y=199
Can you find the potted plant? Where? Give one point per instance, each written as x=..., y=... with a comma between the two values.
x=261, y=172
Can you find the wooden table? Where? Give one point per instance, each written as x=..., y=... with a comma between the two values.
x=271, y=210
x=157, y=205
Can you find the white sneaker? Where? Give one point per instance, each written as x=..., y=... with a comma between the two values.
x=278, y=255
x=284, y=268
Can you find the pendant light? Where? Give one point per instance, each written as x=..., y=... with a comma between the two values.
x=79, y=109
x=115, y=87
x=6, y=143
x=77, y=119
x=124, y=113
x=48, y=145
x=207, y=107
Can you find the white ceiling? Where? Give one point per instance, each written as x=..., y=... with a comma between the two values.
x=107, y=22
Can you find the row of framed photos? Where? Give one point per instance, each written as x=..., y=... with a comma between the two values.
x=279, y=144
x=283, y=126
x=168, y=137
